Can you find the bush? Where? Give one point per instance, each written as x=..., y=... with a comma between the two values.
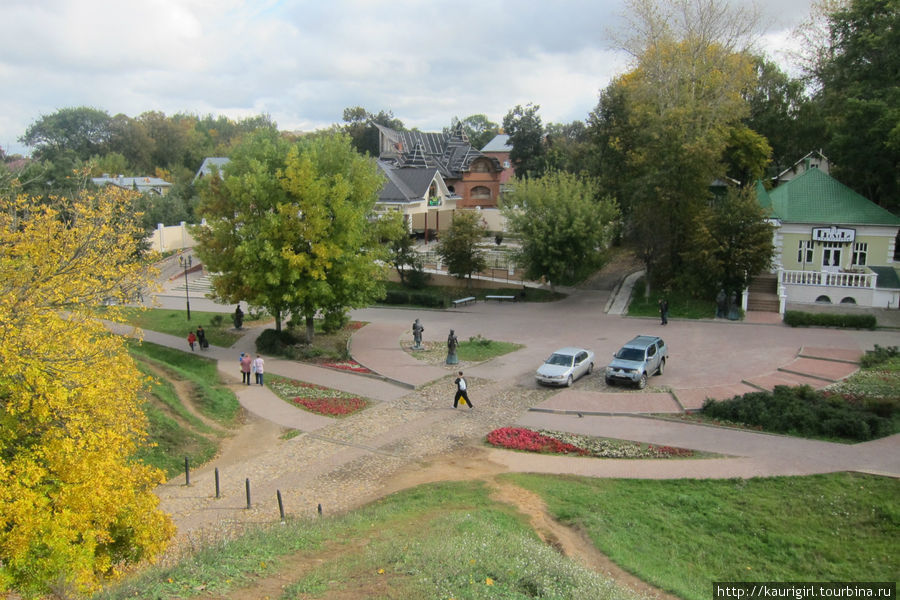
x=417, y=278
x=276, y=342
x=217, y=321
x=796, y=318
x=478, y=340
x=335, y=321
x=806, y=412
x=878, y=356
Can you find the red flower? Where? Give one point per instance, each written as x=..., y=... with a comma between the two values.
x=333, y=406
x=517, y=438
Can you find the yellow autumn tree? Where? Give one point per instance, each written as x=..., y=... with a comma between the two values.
x=74, y=506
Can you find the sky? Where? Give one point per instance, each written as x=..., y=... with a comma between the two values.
x=304, y=61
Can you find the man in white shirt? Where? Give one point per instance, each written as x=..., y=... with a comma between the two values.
x=461, y=391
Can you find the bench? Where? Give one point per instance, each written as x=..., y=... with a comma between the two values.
x=462, y=301
x=501, y=298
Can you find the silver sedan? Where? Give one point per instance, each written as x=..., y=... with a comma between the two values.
x=565, y=365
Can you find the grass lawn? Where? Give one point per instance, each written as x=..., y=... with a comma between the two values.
x=218, y=326
x=681, y=535
x=441, y=296
x=681, y=304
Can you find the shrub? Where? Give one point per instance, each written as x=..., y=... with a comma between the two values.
x=335, y=320
x=478, y=340
x=276, y=342
x=878, y=356
x=217, y=321
x=796, y=318
x=417, y=278
x=396, y=297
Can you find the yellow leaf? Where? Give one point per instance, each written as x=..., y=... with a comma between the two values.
x=489, y=581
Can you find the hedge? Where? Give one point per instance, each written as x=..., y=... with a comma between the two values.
x=796, y=318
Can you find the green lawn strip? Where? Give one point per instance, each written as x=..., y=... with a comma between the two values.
x=682, y=304
x=290, y=389
x=165, y=393
x=174, y=322
x=172, y=443
x=213, y=398
x=479, y=349
x=437, y=541
x=429, y=296
x=681, y=535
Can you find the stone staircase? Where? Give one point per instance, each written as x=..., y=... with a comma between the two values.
x=763, y=293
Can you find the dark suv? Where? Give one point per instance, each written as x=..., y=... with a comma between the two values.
x=643, y=356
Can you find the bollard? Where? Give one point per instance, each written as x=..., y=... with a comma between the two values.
x=280, y=505
x=320, y=509
x=187, y=472
x=248, y=493
x=217, y=482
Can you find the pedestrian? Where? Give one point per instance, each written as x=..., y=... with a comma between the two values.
x=191, y=340
x=246, y=363
x=258, y=368
x=201, y=338
x=663, y=311
x=461, y=388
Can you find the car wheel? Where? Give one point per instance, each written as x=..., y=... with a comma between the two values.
x=569, y=381
x=609, y=382
x=642, y=382
x=662, y=367
x=590, y=368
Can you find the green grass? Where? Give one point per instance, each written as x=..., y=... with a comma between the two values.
x=681, y=535
x=446, y=294
x=212, y=397
x=682, y=305
x=479, y=349
x=174, y=322
x=447, y=540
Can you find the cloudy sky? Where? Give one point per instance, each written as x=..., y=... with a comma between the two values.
x=304, y=61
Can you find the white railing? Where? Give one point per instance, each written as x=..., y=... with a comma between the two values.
x=829, y=279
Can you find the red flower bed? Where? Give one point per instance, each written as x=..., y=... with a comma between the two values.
x=344, y=365
x=332, y=406
x=517, y=438
x=666, y=451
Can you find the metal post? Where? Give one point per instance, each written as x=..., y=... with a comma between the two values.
x=186, y=262
x=247, y=485
x=187, y=472
x=320, y=509
x=280, y=505
x=217, y=482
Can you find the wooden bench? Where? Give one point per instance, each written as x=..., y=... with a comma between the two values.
x=502, y=298
x=463, y=301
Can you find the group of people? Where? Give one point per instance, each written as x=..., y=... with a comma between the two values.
x=198, y=338
x=249, y=365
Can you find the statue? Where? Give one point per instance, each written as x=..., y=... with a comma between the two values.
x=417, y=330
x=721, y=305
x=733, y=313
x=452, y=344
x=238, y=317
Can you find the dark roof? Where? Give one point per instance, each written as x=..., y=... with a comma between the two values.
x=405, y=184
x=449, y=153
x=887, y=277
x=816, y=197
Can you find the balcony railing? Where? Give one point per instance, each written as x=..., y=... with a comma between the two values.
x=830, y=279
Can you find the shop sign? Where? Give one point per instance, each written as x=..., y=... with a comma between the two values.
x=833, y=234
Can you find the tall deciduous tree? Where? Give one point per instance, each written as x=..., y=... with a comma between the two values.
x=479, y=129
x=288, y=229
x=562, y=225
x=459, y=245
x=360, y=126
x=73, y=506
x=82, y=130
x=526, y=136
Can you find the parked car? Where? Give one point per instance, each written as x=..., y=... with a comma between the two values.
x=643, y=356
x=565, y=365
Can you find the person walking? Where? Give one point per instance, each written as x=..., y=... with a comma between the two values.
x=663, y=311
x=201, y=338
x=461, y=392
x=258, y=368
x=192, y=339
x=246, y=364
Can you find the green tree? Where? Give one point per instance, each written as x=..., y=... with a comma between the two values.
x=458, y=247
x=479, y=129
x=563, y=227
x=288, y=227
x=731, y=244
x=401, y=249
x=360, y=126
x=526, y=136
x=82, y=130
x=568, y=147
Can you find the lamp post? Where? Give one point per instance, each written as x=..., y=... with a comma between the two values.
x=185, y=262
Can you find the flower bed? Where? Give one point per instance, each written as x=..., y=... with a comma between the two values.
x=343, y=365
x=316, y=398
x=558, y=442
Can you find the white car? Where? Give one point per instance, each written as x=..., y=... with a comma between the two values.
x=565, y=365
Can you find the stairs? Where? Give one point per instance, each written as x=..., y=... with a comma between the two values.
x=763, y=293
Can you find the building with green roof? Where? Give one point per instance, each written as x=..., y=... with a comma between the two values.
x=832, y=245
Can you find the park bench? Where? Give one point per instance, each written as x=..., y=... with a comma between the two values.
x=463, y=301
x=502, y=298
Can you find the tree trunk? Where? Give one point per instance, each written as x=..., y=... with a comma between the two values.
x=277, y=320
x=310, y=329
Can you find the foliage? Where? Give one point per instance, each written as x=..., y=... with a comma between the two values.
x=730, y=244
x=526, y=136
x=477, y=349
x=360, y=126
x=682, y=534
x=83, y=130
x=74, y=507
x=562, y=224
x=316, y=398
x=459, y=246
x=401, y=250
x=802, y=411
x=683, y=303
x=478, y=128
x=568, y=148
x=174, y=322
x=796, y=318
x=879, y=355
x=518, y=438
x=288, y=227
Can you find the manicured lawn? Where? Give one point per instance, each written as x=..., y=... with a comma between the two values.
x=174, y=322
x=681, y=535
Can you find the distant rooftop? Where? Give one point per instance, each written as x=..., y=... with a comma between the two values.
x=500, y=143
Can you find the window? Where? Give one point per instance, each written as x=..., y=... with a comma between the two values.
x=480, y=166
x=805, y=252
x=831, y=254
x=481, y=193
x=860, y=251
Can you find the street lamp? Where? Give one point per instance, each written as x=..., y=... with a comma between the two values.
x=185, y=262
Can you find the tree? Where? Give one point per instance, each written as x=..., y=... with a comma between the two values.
x=731, y=244
x=401, y=248
x=73, y=506
x=856, y=67
x=526, y=136
x=458, y=247
x=360, y=126
x=288, y=227
x=568, y=147
x=479, y=129
x=82, y=130
x=563, y=227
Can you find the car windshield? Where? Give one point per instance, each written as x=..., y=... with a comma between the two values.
x=630, y=354
x=562, y=360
